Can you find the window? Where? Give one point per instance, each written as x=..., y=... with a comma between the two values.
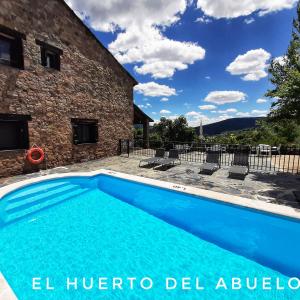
x=5, y=46
x=50, y=55
x=11, y=48
x=50, y=59
x=85, y=131
x=14, y=132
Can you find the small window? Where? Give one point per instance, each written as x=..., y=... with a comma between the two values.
x=14, y=132
x=50, y=59
x=11, y=48
x=85, y=131
x=50, y=55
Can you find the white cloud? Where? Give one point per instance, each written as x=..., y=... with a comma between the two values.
x=155, y=122
x=164, y=99
x=195, y=120
x=259, y=113
x=192, y=114
x=173, y=117
x=203, y=19
x=249, y=20
x=243, y=114
x=160, y=69
x=222, y=97
x=159, y=56
x=253, y=113
x=164, y=111
x=153, y=89
x=140, y=39
x=233, y=8
x=260, y=101
x=229, y=110
x=170, y=117
x=252, y=65
x=224, y=117
x=282, y=60
x=207, y=77
x=147, y=105
x=109, y=15
x=207, y=107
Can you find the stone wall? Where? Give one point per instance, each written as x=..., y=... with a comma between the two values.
x=90, y=85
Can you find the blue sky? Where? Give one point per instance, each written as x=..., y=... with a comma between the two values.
x=205, y=59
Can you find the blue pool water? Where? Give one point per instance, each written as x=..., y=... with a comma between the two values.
x=108, y=227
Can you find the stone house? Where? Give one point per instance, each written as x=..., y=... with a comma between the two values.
x=60, y=88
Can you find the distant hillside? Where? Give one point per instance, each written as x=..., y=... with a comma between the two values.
x=229, y=125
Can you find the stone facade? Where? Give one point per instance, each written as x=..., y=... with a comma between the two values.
x=90, y=85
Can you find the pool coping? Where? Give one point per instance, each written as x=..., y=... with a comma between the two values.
x=6, y=291
x=258, y=205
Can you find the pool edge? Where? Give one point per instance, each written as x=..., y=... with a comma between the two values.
x=258, y=205
x=5, y=290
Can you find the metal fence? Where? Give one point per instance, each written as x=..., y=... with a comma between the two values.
x=285, y=159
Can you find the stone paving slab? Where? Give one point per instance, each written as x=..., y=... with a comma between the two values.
x=274, y=188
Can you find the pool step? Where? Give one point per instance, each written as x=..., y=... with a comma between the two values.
x=34, y=190
x=36, y=198
x=40, y=201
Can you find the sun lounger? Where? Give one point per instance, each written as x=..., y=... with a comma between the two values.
x=212, y=162
x=159, y=154
x=171, y=160
x=240, y=166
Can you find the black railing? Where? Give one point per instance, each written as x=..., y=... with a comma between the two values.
x=265, y=158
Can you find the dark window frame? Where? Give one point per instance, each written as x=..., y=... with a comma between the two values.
x=17, y=124
x=80, y=134
x=15, y=39
x=51, y=52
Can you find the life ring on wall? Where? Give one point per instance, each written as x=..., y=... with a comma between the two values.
x=34, y=152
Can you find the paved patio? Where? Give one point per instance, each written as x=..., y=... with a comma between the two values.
x=274, y=188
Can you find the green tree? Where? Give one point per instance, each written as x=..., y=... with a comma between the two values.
x=285, y=76
x=173, y=130
x=162, y=128
x=271, y=133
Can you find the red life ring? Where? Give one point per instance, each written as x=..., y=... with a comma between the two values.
x=33, y=152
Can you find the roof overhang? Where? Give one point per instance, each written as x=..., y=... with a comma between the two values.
x=139, y=116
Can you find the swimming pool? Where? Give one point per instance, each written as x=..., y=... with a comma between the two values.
x=104, y=226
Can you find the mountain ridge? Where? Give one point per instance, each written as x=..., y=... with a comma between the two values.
x=229, y=125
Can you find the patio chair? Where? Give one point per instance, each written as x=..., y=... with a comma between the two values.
x=159, y=154
x=212, y=162
x=171, y=160
x=240, y=166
